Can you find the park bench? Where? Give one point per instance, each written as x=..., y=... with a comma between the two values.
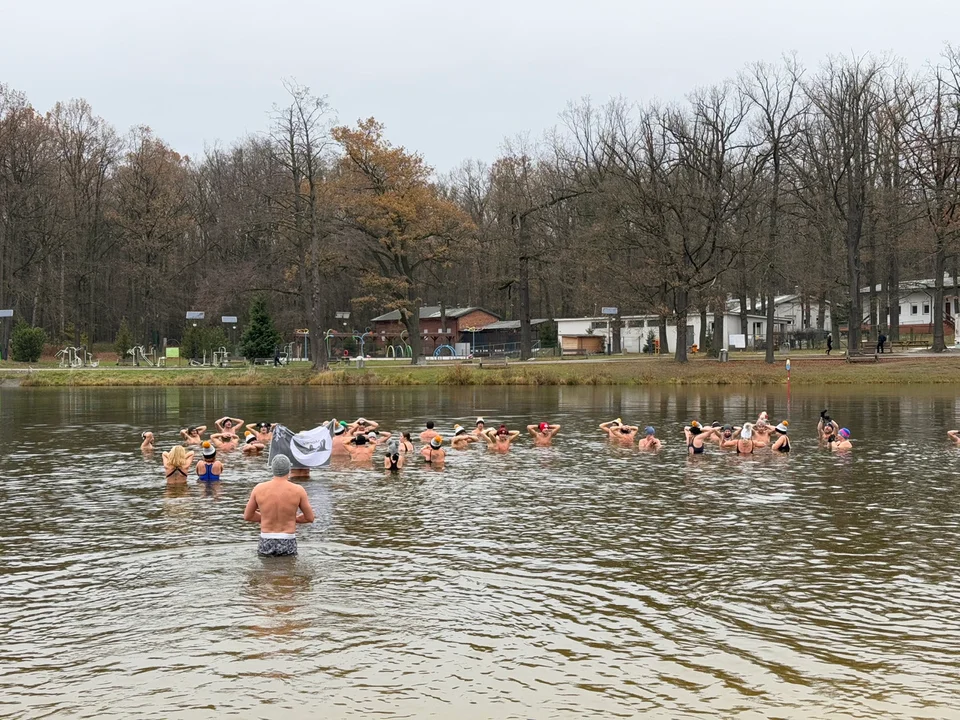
x=863, y=358
x=906, y=344
x=496, y=360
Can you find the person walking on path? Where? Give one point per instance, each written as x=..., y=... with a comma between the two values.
x=829, y=342
x=279, y=506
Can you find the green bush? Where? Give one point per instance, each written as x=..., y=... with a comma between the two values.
x=261, y=337
x=26, y=343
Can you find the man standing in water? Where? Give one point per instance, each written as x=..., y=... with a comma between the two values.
x=279, y=506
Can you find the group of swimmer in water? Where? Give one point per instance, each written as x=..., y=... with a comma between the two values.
x=749, y=437
x=279, y=505
x=360, y=440
x=357, y=441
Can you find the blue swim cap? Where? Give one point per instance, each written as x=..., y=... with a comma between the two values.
x=648, y=430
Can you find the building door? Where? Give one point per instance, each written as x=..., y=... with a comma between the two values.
x=689, y=335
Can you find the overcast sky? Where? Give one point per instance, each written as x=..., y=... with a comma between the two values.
x=450, y=78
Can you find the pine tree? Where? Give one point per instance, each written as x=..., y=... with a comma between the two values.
x=261, y=337
x=123, y=341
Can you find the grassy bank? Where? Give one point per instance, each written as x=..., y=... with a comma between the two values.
x=700, y=371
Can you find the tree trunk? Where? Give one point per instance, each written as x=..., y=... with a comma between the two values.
x=744, y=323
x=444, y=339
x=769, y=358
x=318, y=349
x=939, y=269
x=526, y=341
x=411, y=321
x=662, y=328
x=680, y=315
x=702, y=340
x=893, y=297
x=822, y=310
x=719, y=341
x=853, y=285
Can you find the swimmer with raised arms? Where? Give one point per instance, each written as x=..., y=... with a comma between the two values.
x=209, y=469
x=433, y=453
x=616, y=430
x=176, y=465
x=499, y=440
x=543, y=433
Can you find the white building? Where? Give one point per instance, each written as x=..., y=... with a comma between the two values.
x=593, y=334
x=916, y=304
x=790, y=309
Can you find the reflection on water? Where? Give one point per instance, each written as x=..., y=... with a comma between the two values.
x=576, y=580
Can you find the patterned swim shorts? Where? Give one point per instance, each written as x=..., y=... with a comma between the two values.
x=277, y=547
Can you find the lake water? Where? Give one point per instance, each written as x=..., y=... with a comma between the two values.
x=574, y=581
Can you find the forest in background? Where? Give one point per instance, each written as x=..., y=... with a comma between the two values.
x=783, y=179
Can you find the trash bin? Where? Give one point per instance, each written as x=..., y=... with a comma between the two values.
x=724, y=355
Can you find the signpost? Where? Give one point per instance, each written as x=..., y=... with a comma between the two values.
x=6, y=333
x=173, y=352
x=609, y=311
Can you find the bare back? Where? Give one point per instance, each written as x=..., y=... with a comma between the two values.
x=278, y=502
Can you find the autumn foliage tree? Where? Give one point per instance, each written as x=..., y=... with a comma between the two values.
x=404, y=227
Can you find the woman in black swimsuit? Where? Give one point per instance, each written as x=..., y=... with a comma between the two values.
x=783, y=442
x=176, y=465
x=696, y=435
x=393, y=463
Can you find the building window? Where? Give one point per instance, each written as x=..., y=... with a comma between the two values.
x=598, y=325
x=636, y=323
x=926, y=308
x=913, y=309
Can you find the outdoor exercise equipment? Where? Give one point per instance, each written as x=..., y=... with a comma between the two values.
x=139, y=353
x=76, y=357
x=220, y=356
x=439, y=351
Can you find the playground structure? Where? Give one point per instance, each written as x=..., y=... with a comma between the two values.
x=399, y=351
x=360, y=337
x=76, y=357
x=448, y=348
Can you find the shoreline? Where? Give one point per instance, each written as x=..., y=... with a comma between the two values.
x=805, y=371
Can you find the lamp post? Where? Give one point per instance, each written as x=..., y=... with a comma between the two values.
x=231, y=320
x=195, y=315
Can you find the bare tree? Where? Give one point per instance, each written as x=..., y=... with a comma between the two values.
x=933, y=153
x=774, y=93
x=844, y=98
x=302, y=145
